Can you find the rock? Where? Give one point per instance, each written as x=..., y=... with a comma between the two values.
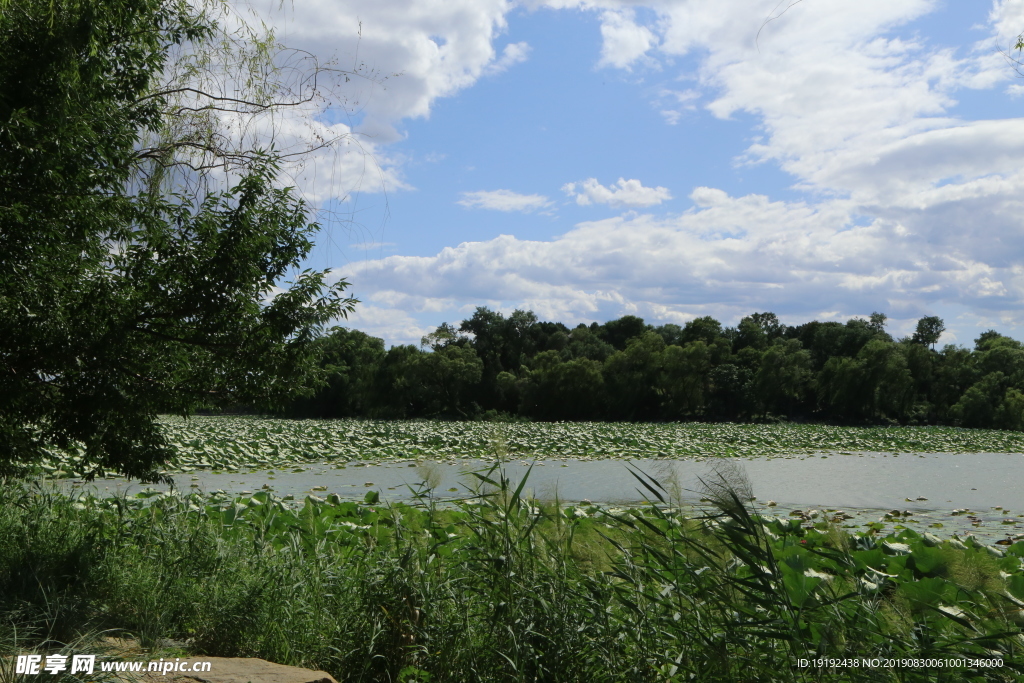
x=238, y=670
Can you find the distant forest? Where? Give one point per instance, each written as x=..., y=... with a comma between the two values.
x=493, y=367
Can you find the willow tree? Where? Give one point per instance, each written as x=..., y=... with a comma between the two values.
x=148, y=242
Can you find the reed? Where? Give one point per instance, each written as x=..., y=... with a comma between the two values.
x=501, y=587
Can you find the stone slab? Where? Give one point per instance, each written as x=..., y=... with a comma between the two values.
x=237, y=670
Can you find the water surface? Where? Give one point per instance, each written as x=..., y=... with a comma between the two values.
x=930, y=486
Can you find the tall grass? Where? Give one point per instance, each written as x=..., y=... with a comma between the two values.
x=499, y=588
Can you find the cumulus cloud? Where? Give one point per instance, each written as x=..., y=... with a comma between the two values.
x=834, y=85
x=624, y=41
x=399, y=58
x=412, y=52
x=727, y=257
x=394, y=325
x=908, y=206
x=503, y=200
x=626, y=193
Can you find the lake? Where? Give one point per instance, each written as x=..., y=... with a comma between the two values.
x=864, y=485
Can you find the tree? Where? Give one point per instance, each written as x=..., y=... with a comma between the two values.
x=758, y=330
x=583, y=343
x=632, y=378
x=671, y=333
x=705, y=329
x=826, y=340
x=877, y=322
x=730, y=393
x=122, y=295
x=556, y=390
x=449, y=373
x=769, y=322
x=685, y=378
x=876, y=384
x=351, y=361
x=979, y=406
x=399, y=386
x=619, y=332
x=444, y=336
x=783, y=376
x=750, y=335
x=929, y=329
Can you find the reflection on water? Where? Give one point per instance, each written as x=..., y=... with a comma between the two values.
x=930, y=486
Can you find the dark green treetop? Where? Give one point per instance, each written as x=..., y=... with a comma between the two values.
x=929, y=329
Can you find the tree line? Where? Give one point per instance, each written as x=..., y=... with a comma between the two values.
x=625, y=369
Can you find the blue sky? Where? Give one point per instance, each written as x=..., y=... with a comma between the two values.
x=671, y=159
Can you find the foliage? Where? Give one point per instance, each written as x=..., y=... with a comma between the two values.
x=929, y=329
x=503, y=588
x=122, y=293
x=844, y=373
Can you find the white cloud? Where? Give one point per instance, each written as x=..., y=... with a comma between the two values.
x=1006, y=20
x=727, y=257
x=708, y=196
x=352, y=163
x=832, y=84
x=503, y=200
x=425, y=49
x=514, y=53
x=834, y=88
x=625, y=41
x=908, y=207
x=401, y=56
x=318, y=149
x=678, y=103
x=626, y=193
x=393, y=325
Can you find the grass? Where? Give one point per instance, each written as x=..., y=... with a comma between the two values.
x=502, y=588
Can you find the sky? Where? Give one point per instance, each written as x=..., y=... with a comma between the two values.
x=819, y=159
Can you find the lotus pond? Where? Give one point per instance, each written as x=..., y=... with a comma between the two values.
x=224, y=442
x=228, y=443
x=946, y=480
